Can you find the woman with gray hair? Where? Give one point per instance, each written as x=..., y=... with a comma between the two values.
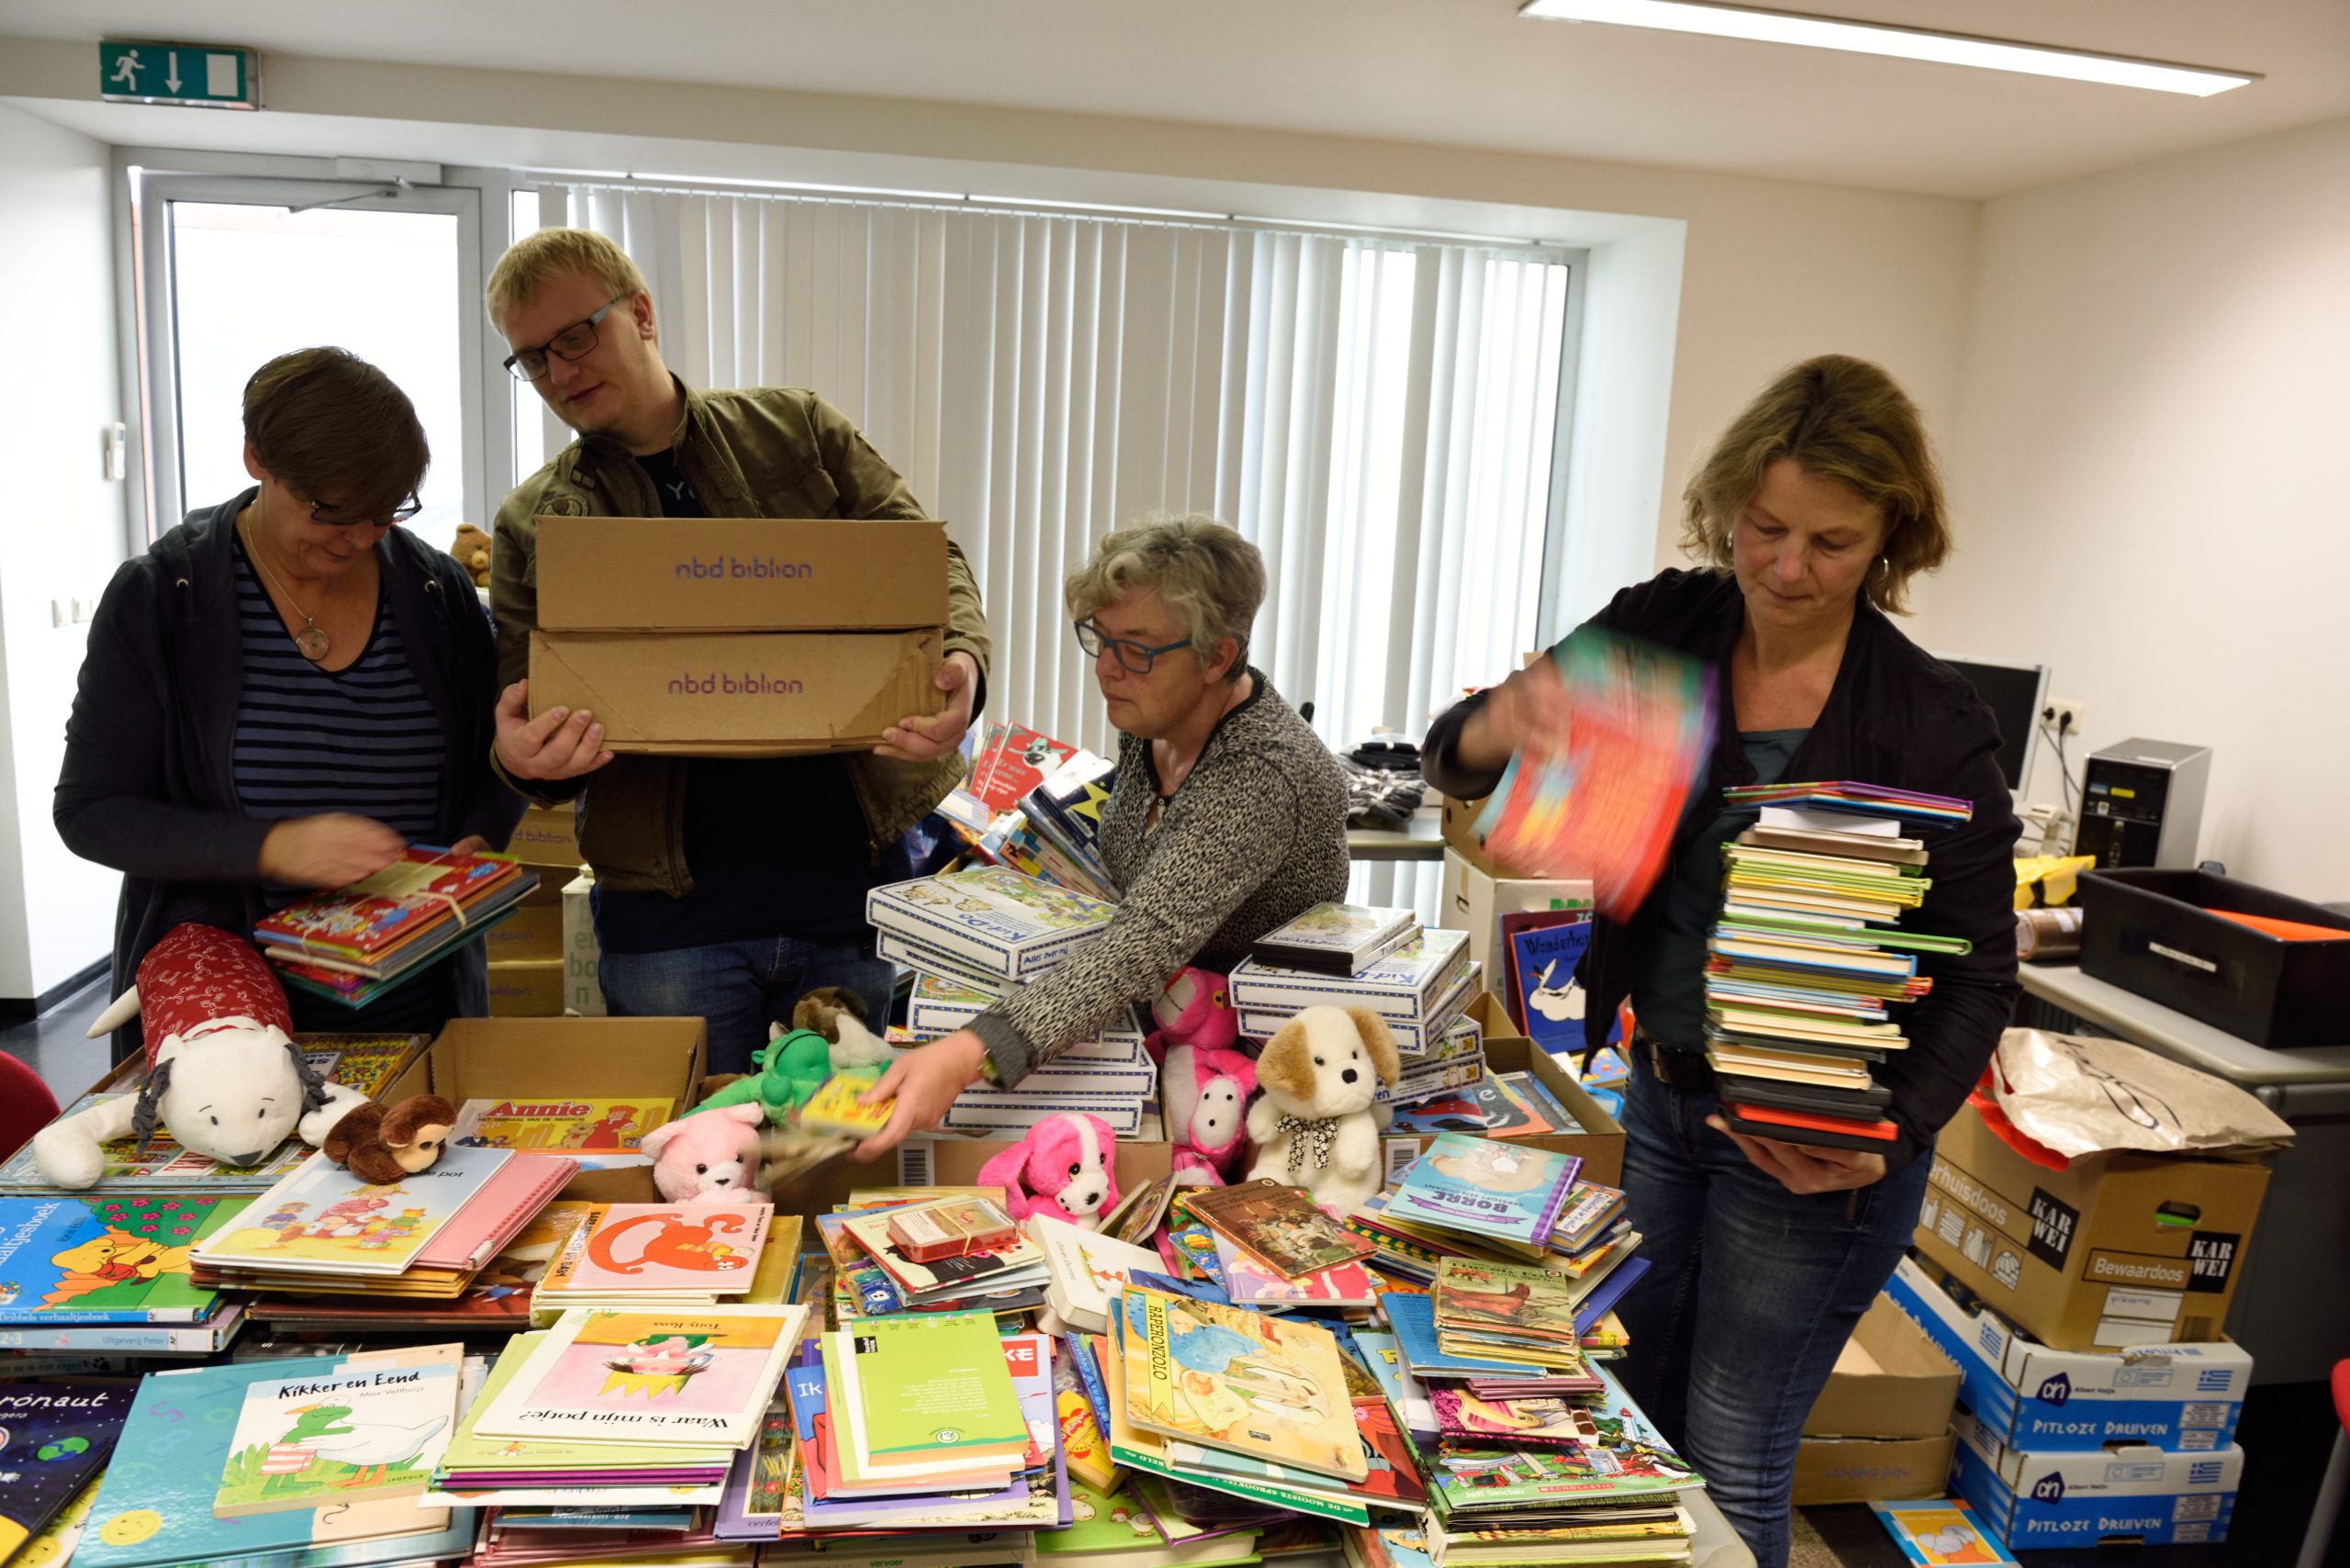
x=1228, y=817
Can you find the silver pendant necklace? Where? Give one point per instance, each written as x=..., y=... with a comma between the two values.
x=311, y=642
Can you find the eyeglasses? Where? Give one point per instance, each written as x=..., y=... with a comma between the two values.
x=1136, y=657
x=327, y=513
x=573, y=344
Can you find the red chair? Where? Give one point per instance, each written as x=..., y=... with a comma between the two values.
x=2338, y=1477
x=26, y=1105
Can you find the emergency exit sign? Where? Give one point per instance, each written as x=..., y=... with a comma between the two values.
x=209, y=77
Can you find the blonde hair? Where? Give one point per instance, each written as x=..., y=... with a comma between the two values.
x=537, y=260
x=1210, y=577
x=1841, y=419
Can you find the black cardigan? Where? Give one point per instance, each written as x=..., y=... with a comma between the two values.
x=1897, y=716
x=149, y=785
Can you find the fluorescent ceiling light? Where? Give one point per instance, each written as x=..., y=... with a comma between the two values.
x=580, y=173
x=797, y=185
x=1099, y=206
x=1907, y=43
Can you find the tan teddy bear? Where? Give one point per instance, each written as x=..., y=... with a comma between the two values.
x=472, y=550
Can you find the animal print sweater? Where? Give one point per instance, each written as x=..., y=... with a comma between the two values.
x=1255, y=837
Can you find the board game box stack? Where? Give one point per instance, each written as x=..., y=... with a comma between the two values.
x=1418, y=985
x=1809, y=958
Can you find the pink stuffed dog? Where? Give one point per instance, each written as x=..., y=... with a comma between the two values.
x=1066, y=1166
x=710, y=1157
x=1206, y=1095
x=1195, y=1009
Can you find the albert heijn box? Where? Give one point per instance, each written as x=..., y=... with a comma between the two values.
x=534, y=1059
x=2187, y=1398
x=2125, y=1496
x=733, y=573
x=2114, y=1250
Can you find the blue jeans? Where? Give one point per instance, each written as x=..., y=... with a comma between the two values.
x=1752, y=1291
x=740, y=988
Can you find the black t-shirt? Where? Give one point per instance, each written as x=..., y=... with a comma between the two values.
x=776, y=846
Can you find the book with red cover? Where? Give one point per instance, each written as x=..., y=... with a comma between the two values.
x=1013, y=760
x=418, y=892
x=498, y=1213
x=1809, y=1126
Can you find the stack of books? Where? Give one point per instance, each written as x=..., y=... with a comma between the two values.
x=496, y=1303
x=1418, y=989
x=1494, y=1105
x=1034, y=804
x=1807, y=957
x=942, y=1250
x=355, y=944
x=858, y=1286
x=1456, y=1061
x=657, y=1254
x=109, y=1275
x=1265, y=1245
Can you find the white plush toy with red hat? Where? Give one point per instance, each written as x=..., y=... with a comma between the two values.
x=224, y=1076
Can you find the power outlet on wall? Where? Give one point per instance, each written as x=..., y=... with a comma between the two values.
x=2063, y=714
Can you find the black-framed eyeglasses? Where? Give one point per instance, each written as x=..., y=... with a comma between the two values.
x=325, y=512
x=574, y=343
x=1136, y=657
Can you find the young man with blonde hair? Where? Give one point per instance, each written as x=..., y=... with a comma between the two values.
x=726, y=887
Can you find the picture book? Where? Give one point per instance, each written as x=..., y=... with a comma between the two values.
x=1228, y=1378
x=1250, y=1283
x=54, y=1437
x=1019, y=1261
x=499, y=1214
x=1504, y=1301
x=1464, y=1416
x=1409, y=1396
x=929, y=1382
x=1013, y=759
x=324, y=1219
x=602, y=1134
x=1087, y=1455
x=1485, y=1188
x=1085, y=1268
x=53, y=1544
x=154, y=1506
x=496, y=1302
x=1413, y=1318
x=1544, y=999
x=472, y=1455
x=420, y=891
x=1628, y=1459
x=836, y=1109
x=323, y=1440
x=77, y=1261
x=1278, y=1226
x=695, y=1377
x=1035, y=1495
x=1938, y=1532
x=1335, y=939
x=1007, y=923
x=1395, y=1479
x=840, y=1466
x=1102, y=1523
x=698, y=1249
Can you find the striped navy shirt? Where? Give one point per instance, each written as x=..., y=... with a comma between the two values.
x=362, y=739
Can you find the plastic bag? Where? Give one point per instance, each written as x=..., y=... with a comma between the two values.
x=2080, y=1095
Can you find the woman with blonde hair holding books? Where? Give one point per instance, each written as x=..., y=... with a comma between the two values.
x=1810, y=517
x=1228, y=817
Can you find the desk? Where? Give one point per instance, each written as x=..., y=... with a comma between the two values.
x=1424, y=841
x=2300, y=1251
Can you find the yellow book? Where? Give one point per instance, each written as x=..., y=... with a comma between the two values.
x=834, y=1109
x=1271, y=1388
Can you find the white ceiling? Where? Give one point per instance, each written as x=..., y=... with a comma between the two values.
x=1465, y=72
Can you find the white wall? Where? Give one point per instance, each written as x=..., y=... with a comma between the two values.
x=64, y=533
x=2147, y=481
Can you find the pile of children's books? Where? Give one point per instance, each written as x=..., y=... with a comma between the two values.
x=356, y=943
x=1034, y=804
x=972, y=936
x=679, y=1256
x=1419, y=985
x=1807, y=956
x=110, y=1274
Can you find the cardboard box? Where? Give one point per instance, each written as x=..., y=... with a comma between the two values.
x=531, y=932
x=1474, y=900
x=1461, y=834
x=2117, y=1250
x=2186, y=1398
x=526, y=988
x=544, y=839
x=1600, y=1144
x=658, y=574
x=739, y=694
x=1890, y=1381
x=591, y=1058
x=1862, y=1470
x=933, y=1162
x=583, y=987
x=2128, y=1496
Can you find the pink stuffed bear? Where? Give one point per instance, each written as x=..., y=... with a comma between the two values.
x=1205, y=1093
x=1066, y=1166
x=1195, y=1009
x=710, y=1157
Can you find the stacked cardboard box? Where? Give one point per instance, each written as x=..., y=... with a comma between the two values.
x=526, y=949
x=738, y=636
x=1881, y=1428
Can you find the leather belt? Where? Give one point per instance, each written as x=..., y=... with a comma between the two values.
x=1688, y=1071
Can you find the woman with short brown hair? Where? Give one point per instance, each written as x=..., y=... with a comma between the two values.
x=1811, y=515
x=286, y=689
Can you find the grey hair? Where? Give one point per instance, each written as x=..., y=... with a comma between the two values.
x=1210, y=577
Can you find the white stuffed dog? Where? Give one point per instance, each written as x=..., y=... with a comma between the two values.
x=1313, y=1125
x=224, y=1076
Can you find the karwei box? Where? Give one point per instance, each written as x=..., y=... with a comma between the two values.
x=2115, y=1251
x=2182, y=1397
x=739, y=694
x=658, y=574
x=2126, y=1496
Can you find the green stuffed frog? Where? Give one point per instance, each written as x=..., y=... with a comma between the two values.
x=793, y=1064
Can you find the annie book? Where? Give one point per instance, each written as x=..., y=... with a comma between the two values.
x=697, y=1377
x=1278, y=1225
x=600, y=1134
x=1267, y=1387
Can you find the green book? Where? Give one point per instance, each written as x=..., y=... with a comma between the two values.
x=933, y=1383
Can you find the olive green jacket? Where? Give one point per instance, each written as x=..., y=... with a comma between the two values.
x=759, y=452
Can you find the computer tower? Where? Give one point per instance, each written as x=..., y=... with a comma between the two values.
x=2141, y=804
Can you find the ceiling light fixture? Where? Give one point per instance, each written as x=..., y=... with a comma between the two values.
x=1906, y=43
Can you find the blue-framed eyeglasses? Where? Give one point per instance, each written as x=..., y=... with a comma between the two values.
x=1136, y=657
x=574, y=343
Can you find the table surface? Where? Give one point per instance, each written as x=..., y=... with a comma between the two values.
x=2176, y=1035
x=1424, y=842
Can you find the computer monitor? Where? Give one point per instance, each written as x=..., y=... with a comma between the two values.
x=2015, y=694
